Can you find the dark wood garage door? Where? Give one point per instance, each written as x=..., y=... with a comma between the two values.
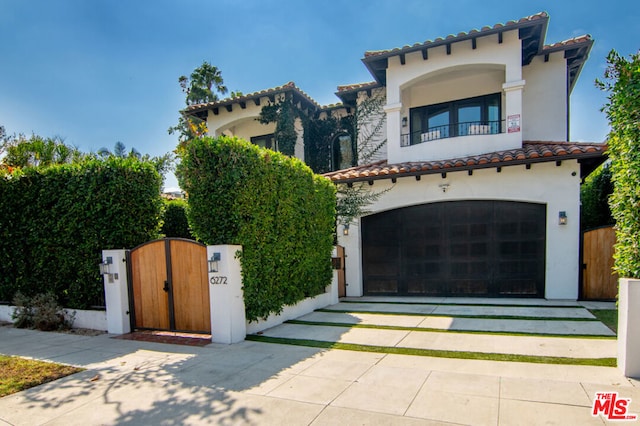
x=462, y=248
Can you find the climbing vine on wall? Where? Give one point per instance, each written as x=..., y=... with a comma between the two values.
x=284, y=114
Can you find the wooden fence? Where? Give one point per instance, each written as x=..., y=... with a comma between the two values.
x=598, y=281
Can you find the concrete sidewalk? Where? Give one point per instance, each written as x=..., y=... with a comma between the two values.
x=133, y=382
x=130, y=382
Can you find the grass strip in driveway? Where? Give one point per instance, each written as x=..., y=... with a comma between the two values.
x=17, y=374
x=491, y=305
x=608, y=317
x=440, y=330
x=422, y=314
x=599, y=362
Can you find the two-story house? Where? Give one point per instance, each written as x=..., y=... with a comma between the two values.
x=482, y=184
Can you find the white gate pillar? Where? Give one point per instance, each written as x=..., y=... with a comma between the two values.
x=629, y=327
x=228, y=323
x=116, y=291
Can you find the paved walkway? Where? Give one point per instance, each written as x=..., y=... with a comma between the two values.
x=131, y=382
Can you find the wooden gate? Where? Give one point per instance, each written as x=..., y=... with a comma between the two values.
x=598, y=280
x=169, y=286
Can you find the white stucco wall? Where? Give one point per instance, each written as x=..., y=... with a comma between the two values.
x=227, y=121
x=249, y=128
x=544, y=102
x=491, y=67
x=94, y=320
x=545, y=183
x=464, y=82
x=243, y=124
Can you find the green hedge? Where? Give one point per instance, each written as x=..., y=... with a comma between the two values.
x=623, y=113
x=55, y=221
x=274, y=206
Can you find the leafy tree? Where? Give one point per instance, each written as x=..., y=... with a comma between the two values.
x=120, y=151
x=36, y=151
x=203, y=85
x=163, y=163
x=594, y=197
x=622, y=82
x=175, y=223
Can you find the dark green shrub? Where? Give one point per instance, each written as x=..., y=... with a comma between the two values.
x=55, y=222
x=594, y=199
x=274, y=206
x=42, y=312
x=23, y=313
x=175, y=223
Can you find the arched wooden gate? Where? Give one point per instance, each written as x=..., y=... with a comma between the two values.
x=169, y=286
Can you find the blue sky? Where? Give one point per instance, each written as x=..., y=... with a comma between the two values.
x=100, y=71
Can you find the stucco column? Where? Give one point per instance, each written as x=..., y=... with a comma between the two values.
x=393, y=131
x=629, y=327
x=116, y=291
x=228, y=320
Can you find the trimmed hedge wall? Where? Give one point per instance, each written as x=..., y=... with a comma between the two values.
x=274, y=206
x=55, y=222
x=623, y=113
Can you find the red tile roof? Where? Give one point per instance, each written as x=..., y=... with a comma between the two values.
x=561, y=45
x=260, y=94
x=531, y=152
x=358, y=86
x=451, y=38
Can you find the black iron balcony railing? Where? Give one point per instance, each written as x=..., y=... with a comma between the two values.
x=453, y=130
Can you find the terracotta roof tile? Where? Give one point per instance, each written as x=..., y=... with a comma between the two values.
x=487, y=28
x=530, y=152
x=358, y=86
x=259, y=94
x=586, y=38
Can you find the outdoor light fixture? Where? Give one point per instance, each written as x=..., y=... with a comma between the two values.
x=213, y=262
x=105, y=266
x=562, y=218
x=345, y=229
x=404, y=121
x=444, y=187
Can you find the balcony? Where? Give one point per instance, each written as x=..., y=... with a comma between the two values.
x=453, y=130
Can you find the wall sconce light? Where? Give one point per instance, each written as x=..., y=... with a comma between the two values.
x=444, y=187
x=404, y=121
x=105, y=269
x=213, y=262
x=562, y=218
x=105, y=266
x=345, y=229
